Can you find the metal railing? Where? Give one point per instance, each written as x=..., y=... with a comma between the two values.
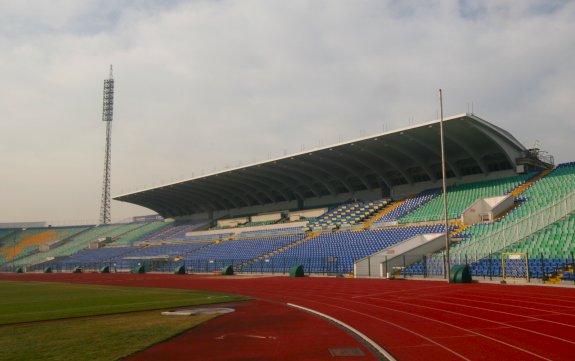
x=330, y=265
x=537, y=267
x=532, y=268
x=516, y=231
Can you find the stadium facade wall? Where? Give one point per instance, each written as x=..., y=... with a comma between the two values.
x=318, y=202
x=278, y=207
x=367, y=195
x=236, y=212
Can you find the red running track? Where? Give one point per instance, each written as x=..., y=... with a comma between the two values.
x=413, y=320
x=257, y=330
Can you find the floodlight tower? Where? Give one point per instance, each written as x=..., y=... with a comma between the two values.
x=107, y=115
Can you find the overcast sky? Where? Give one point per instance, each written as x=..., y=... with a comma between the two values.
x=204, y=85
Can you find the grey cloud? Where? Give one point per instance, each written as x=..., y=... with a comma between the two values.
x=218, y=83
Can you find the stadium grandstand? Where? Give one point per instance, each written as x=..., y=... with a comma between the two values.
x=371, y=207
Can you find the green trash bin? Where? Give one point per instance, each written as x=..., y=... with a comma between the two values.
x=180, y=270
x=296, y=271
x=139, y=269
x=461, y=273
x=228, y=270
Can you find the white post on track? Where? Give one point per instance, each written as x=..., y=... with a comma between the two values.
x=444, y=185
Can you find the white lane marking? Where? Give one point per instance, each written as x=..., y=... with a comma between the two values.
x=348, y=327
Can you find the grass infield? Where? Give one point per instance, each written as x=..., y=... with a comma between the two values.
x=91, y=339
x=36, y=301
x=73, y=336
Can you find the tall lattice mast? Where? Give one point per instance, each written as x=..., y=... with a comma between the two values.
x=107, y=116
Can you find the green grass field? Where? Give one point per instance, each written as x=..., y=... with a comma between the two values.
x=26, y=307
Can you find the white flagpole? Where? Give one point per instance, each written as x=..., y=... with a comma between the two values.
x=443, y=178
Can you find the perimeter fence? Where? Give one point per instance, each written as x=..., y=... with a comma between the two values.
x=534, y=268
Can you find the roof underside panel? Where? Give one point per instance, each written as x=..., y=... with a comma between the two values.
x=407, y=156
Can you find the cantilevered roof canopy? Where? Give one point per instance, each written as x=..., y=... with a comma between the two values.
x=405, y=156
